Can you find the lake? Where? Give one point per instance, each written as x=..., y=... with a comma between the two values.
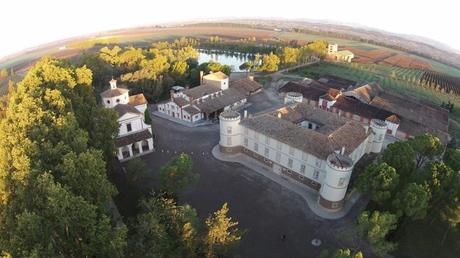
x=233, y=59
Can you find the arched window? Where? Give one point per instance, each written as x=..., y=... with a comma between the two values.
x=118, y=100
x=108, y=101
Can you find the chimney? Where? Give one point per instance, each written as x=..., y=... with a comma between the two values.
x=113, y=84
x=201, y=77
x=171, y=94
x=245, y=113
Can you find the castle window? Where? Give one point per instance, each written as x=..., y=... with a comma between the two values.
x=246, y=142
x=256, y=146
x=128, y=127
x=229, y=129
x=316, y=175
x=118, y=100
x=290, y=163
x=267, y=152
x=302, y=169
x=108, y=101
x=341, y=181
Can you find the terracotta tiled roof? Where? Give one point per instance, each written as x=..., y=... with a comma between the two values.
x=311, y=92
x=216, y=76
x=114, y=92
x=180, y=101
x=138, y=99
x=354, y=106
x=123, y=109
x=315, y=142
x=202, y=90
x=246, y=85
x=227, y=98
x=192, y=110
x=393, y=118
x=132, y=138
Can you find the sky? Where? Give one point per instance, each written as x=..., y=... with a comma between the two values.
x=26, y=24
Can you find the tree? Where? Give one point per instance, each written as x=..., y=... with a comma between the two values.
x=413, y=201
x=3, y=73
x=400, y=156
x=247, y=66
x=222, y=235
x=426, y=146
x=290, y=55
x=445, y=186
x=380, y=181
x=137, y=172
x=341, y=253
x=177, y=174
x=375, y=227
x=164, y=229
x=452, y=158
x=269, y=63
x=54, y=189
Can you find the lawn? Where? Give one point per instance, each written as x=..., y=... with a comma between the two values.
x=395, y=79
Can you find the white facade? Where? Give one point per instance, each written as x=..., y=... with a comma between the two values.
x=319, y=173
x=134, y=135
x=189, y=108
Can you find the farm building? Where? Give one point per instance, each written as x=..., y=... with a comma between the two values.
x=134, y=136
x=207, y=101
x=339, y=55
x=315, y=147
x=404, y=116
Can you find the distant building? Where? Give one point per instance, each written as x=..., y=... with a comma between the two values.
x=134, y=136
x=215, y=94
x=334, y=53
x=312, y=146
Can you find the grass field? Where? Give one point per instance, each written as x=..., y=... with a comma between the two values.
x=395, y=79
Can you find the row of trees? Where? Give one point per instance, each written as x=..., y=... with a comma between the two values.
x=414, y=180
x=287, y=56
x=54, y=192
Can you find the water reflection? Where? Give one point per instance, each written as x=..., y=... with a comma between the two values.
x=233, y=59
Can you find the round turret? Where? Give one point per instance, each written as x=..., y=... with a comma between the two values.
x=335, y=184
x=379, y=129
x=293, y=97
x=230, y=132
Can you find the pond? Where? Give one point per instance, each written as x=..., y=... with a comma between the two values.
x=233, y=59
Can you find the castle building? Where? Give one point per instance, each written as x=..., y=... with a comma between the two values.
x=134, y=135
x=206, y=101
x=315, y=147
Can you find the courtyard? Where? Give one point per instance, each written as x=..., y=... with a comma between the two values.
x=265, y=209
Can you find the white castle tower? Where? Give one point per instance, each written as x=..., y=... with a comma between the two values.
x=230, y=132
x=334, y=187
x=379, y=129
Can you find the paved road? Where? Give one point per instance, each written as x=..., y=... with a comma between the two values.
x=264, y=208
